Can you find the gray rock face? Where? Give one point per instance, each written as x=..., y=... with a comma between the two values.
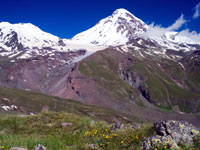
x=171, y=133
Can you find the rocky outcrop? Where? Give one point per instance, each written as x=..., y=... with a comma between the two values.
x=171, y=134
x=133, y=79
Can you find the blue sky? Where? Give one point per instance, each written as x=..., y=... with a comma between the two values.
x=65, y=18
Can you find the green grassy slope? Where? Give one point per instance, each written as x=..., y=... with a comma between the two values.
x=31, y=102
x=164, y=79
x=83, y=133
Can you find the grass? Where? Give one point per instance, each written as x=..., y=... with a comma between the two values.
x=163, y=90
x=84, y=134
x=45, y=128
x=166, y=108
x=104, y=71
x=31, y=102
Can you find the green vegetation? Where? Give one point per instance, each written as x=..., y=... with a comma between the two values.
x=46, y=129
x=103, y=70
x=163, y=90
x=162, y=79
x=31, y=102
x=82, y=133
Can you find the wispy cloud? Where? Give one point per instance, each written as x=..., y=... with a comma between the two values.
x=159, y=31
x=197, y=11
x=194, y=36
x=178, y=24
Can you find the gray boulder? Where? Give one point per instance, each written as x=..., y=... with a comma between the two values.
x=180, y=131
x=171, y=133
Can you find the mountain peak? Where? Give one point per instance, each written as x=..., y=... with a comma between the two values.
x=116, y=29
x=25, y=34
x=121, y=11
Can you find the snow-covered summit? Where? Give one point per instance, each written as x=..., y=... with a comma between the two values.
x=25, y=40
x=116, y=29
x=26, y=35
x=122, y=28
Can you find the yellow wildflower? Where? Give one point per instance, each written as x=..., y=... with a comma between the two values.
x=137, y=137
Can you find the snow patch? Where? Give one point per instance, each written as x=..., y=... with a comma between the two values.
x=6, y=99
x=7, y=108
x=181, y=65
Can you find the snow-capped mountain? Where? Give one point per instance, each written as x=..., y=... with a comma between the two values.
x=116, y=29
x=24, y=35
x=123, y=28
x=25, y=40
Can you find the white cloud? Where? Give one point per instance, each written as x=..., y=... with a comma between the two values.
x=159, y=31
x=179, y=23
x=155, y=31
x=194, y=36
x=197, y=11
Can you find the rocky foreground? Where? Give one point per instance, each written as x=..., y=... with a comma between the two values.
x=64, y=131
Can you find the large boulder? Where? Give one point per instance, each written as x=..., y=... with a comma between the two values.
x=171, y=133
x=180, y=131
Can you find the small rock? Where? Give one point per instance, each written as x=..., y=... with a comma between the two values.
x=120, y=126
x=45, y=108
x=32, y=114
x=66, y=124
x=92, y=146
x=40, y=147
x=136, y=125
x=18, y=148
x=49, y=125
x=116, y=126
x=92, y=123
